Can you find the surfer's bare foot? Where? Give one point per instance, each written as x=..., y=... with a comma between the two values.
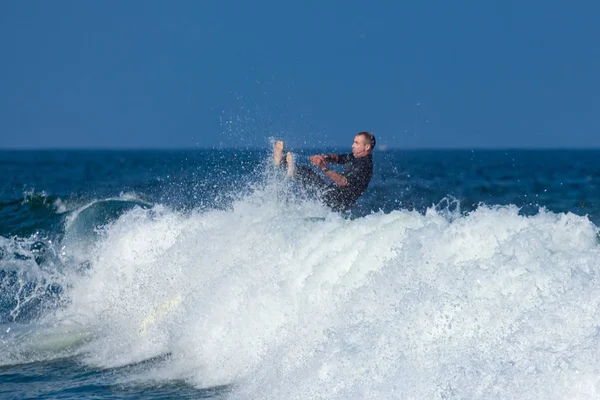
x=291, y=167
x=278, y=152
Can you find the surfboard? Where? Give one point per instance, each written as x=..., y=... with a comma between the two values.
x=160, y=312
x=314, y=219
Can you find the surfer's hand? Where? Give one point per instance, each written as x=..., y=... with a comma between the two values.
x=318, y=160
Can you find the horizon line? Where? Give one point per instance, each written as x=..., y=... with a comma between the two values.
x=380, y=148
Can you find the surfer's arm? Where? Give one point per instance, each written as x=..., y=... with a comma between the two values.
x=337, y=158
x=337, y=178
x=332, y=158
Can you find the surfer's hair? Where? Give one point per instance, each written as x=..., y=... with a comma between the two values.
x=369, y=137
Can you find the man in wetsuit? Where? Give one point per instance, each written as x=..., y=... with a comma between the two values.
x=344, y=188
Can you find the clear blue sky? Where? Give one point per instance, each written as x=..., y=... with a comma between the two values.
x=130, y=74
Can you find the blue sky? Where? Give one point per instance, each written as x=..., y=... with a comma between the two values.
x=420, y=74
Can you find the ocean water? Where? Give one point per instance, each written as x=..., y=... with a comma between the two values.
x=206, y=274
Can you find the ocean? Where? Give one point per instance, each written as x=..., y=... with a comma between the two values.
x=459, y=274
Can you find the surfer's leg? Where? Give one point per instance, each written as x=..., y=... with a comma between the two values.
x=310, y=179
x=291, y=166
x=278, y=153
x=316, y=186
x=329, y=194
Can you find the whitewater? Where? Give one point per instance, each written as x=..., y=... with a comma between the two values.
x=275, y=297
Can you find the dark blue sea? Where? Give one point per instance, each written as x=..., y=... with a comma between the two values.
x=207, y=274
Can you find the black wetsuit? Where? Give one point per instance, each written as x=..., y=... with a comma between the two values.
x=358, y=172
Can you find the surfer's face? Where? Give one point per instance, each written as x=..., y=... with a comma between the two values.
x=360, y=148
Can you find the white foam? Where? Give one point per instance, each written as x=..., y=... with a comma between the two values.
x=399, y=305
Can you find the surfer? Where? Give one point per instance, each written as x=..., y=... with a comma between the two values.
x=343, y=189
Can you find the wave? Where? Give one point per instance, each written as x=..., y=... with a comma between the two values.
x=34, y=269
x=279, y=304
x=83, y=226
